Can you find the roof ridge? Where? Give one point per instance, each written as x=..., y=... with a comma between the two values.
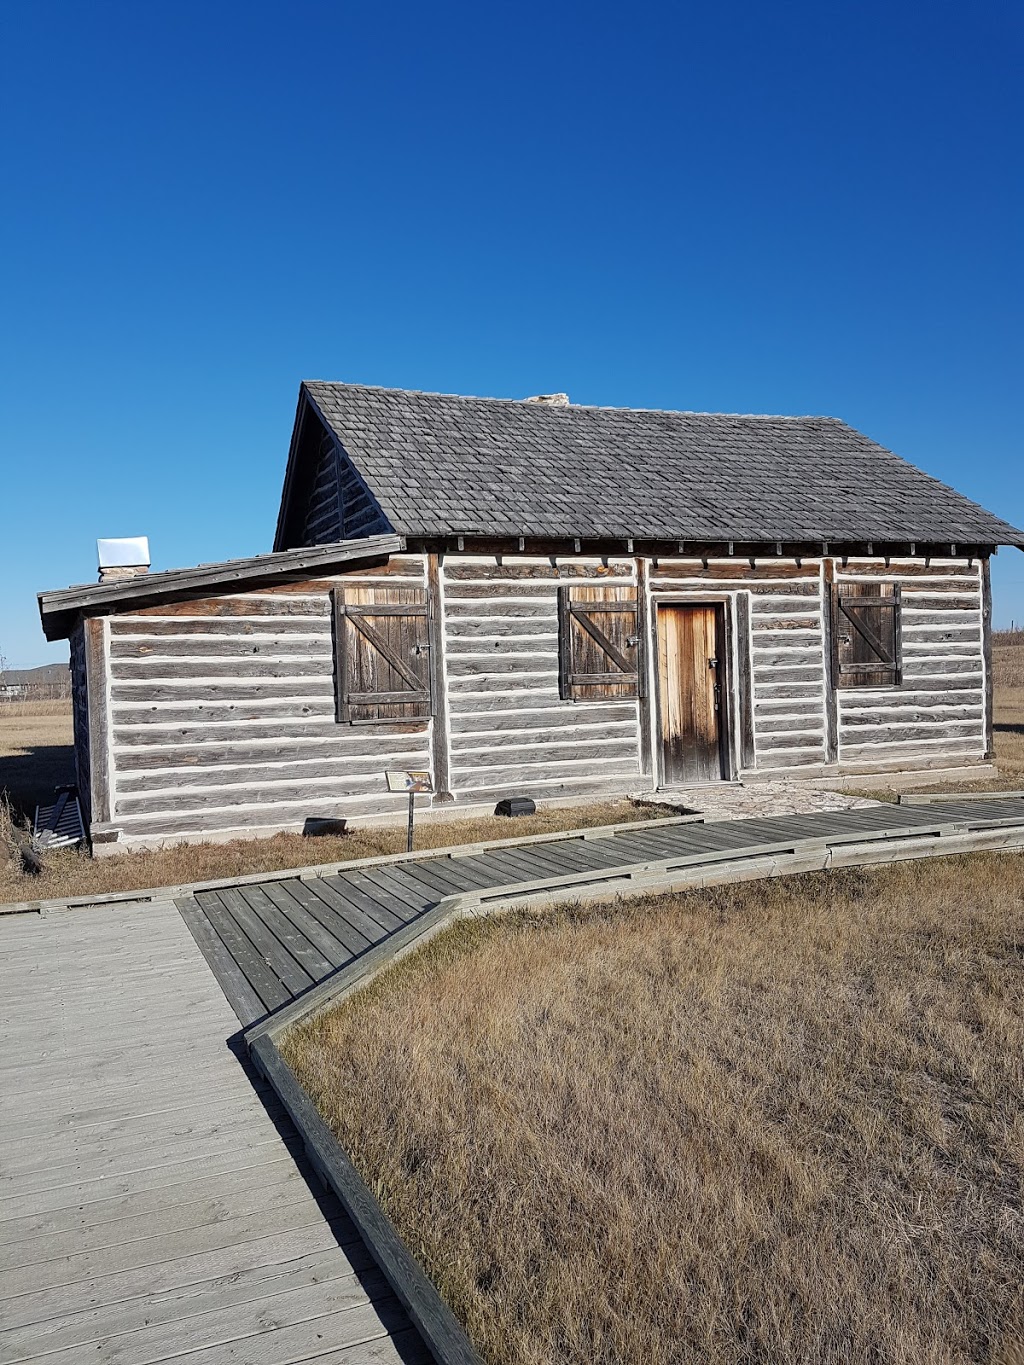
x=576, y=407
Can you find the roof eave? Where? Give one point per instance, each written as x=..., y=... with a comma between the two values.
x=59, y=609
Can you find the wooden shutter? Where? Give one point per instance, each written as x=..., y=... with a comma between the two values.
x=599, y=643
x=382, y=654
x=866, y=635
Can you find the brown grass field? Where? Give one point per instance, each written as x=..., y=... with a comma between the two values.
x=36, y=755
x=781, y=1121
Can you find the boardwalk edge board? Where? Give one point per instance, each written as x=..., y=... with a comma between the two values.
x=435, y=1321
x=317, y=870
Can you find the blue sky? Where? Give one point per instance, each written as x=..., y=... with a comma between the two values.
x=791, y=208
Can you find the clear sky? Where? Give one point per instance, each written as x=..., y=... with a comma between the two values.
x=798, y=208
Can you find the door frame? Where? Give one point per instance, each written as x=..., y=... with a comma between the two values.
x=724, y=603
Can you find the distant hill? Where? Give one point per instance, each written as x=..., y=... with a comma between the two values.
x=44, y=675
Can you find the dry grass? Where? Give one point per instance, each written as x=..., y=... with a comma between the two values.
x=73, y=873
x=780, y=1121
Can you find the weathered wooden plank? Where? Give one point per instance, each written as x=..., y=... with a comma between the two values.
x=294, y=894
x=937, y=569
x=510, y=570
x=223, y=647
x=170, y=769
x=299, y=933
x=259, y=627
x=790, y=724
x=257, y=667
x=268, y=602
x=262, y=981
x=481, y=603
x=525, y=773
x=135, y=724
x=813, y=740
x=729, y=571
x=745, y=680
x=347, y=903
x=186, y=690
x=316, y=799
x=898, y=714
x=287, y=815
x=484, y=632
x=241, y=994
x=765, y=677
x=99, y=719
x=328, y=734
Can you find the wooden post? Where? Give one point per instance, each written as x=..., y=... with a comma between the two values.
x=439, y=701
x=829, y=634
x=412, y=811
x=96, y=690
x=986, y=641
x=643, y=629
x=744, y=681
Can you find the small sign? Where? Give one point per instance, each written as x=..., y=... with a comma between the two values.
x=409, y=782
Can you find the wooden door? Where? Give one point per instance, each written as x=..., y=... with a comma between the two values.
x=691, y=687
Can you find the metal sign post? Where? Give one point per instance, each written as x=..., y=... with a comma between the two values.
x=411, y=783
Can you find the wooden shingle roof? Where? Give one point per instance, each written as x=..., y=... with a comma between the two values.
x=443, y=465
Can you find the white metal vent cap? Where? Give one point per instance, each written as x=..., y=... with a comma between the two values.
x=129, y=552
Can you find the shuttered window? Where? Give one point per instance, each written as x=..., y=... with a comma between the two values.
x=866, y=635
x=599, y=643
x=381, y=655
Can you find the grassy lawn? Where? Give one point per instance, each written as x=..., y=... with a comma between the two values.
x=781, y=1121
x=73, y=873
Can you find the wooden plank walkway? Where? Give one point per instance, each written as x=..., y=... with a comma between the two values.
x=155, y=1203
x=269, y=943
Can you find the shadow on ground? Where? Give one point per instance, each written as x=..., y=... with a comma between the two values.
x=30, y=775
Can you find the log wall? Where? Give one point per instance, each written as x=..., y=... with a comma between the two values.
x=939, y=711
x=222, y=709
x=510, y=732
x=223, y=715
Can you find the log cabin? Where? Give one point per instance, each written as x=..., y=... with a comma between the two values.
x=535, y=598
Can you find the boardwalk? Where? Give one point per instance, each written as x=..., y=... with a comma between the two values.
x=154, y=1205
x=271, y=942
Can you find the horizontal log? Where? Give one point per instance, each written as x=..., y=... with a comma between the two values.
x=223, y=647
x=525, y=774
x=795, y=690
x=768, y=623
x=548, y=789
x=553, y=756
x=462, y=666
x=257, y=625
x=254, y=690
x=927, y=599
x=914, y=634
x=814, y=741
x=536, y=683
x=799, y=758
x=900, y=733
x=766, y=725
x=622, y=572
x=945, y=649
x=863, y=696
x=315, y=736
x=353, y=743
x=286, y=711
x=909, y=750
x=917, y=618
x=487, y=607
x=256, y=667
x=499, y=627
x=727, y=571
x=854, y=701
x=766, y=677
x=227, y=607
x=877, y=570
x=923, y=668
x=525, y=591
x=290, y=813
x=781, y=604
x=900, y=715
x=318, y=797
x=351, y=774
x=556, y=717
x=794, y=640
x=783, y=706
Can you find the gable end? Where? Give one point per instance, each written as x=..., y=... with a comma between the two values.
x=324, y=499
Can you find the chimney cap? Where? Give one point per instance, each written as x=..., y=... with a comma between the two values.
x=127, y=552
